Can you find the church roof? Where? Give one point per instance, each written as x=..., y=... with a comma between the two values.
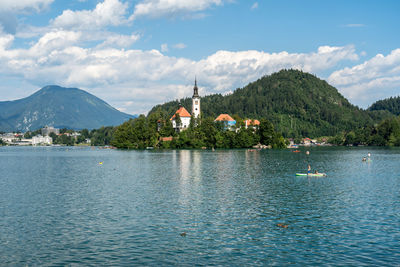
x=182, y=113
x=224, y=117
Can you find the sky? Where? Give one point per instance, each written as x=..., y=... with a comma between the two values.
x=136, y=54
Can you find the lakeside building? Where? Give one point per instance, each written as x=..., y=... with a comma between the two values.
x=49, y=129
x=42, y=140
x=9, y=137
x=253, y=123
x=227, y=120
x=15, y=139
x=185, y=119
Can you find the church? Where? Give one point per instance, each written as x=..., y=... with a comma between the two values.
x=184, y=114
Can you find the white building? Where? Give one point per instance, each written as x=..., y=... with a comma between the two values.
x=185, y=119
x=41, y=140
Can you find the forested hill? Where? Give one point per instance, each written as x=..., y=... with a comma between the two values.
x=391, y=105
x=297, y=103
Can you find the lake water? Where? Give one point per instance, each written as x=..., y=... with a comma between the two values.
x=59, y=206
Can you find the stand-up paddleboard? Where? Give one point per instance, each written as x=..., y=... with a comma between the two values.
x=311, y=174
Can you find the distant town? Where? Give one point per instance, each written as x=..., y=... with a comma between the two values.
x=43, y=137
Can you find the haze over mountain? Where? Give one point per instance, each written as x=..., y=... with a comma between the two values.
x=296, y=102
x=60, y=107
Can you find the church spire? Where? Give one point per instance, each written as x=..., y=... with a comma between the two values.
x=195, y=89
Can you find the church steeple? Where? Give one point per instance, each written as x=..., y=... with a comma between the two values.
x=195, y=89
x=195, y=100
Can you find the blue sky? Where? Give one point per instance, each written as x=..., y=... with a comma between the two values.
x=136, y=54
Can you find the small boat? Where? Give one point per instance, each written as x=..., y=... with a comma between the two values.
x=296, y=151
x=311, y=174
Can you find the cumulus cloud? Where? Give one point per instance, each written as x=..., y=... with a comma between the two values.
x=136, y=75
x=24, y=5
x=228, y=69
x=109, y=12
x=375, y=78
x=119, y=40
x=171, y=8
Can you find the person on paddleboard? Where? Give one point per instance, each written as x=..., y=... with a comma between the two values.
x=309, y=169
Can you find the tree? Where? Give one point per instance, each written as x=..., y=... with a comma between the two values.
x=124, y=136
x=266, y=132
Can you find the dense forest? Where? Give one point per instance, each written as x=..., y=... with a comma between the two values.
x=386, y=133
x=299, y=104
x=391, y=105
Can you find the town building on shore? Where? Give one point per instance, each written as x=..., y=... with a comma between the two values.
x=41, y=140
x=48, y=130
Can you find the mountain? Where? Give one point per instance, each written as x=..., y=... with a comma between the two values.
x=60, y=107
x=297, y=103
x=391, y=105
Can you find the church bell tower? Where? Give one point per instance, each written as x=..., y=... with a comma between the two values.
x=196, y=101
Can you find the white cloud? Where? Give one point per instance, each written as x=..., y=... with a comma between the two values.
x=109, y=12
x=118, y=40
x=375, y=78
x=254, y=6
x=6, y=41
x=148, y=77
x=180, y=46
x=54, y=41
x=16, y=6
x=171, y=8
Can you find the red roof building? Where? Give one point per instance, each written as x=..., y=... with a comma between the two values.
x=185, y=119
x=224, y=117
x=182, y=113
x=248, y=123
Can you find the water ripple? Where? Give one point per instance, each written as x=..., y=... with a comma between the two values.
x=58, y=206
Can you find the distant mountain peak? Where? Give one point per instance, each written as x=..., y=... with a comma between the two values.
x=60, y=107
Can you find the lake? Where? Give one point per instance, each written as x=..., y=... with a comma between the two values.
x=61, y=206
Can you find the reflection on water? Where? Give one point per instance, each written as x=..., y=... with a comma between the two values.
x=60, y=207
